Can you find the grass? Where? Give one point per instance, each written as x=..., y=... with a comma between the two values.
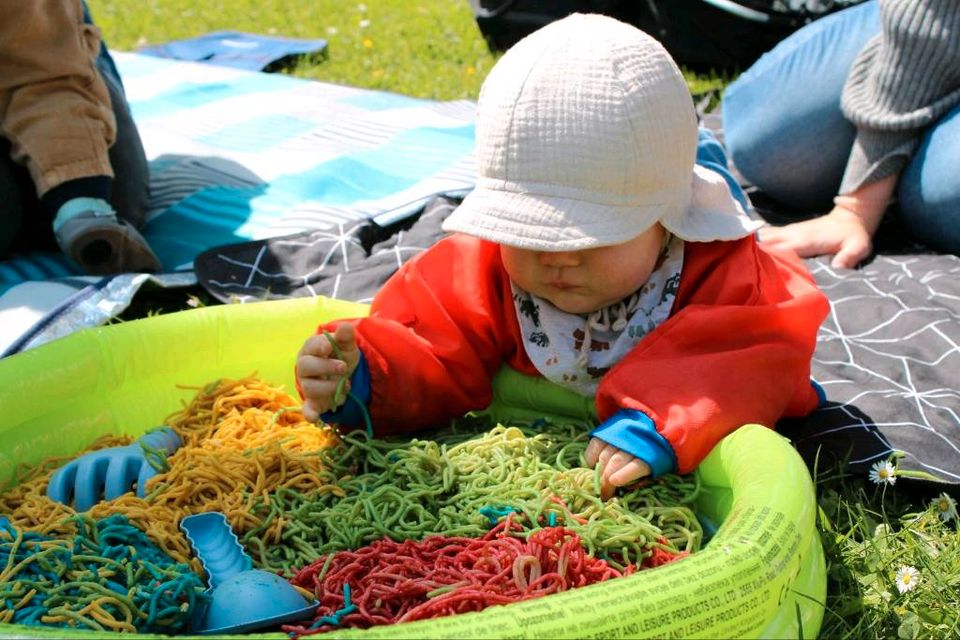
x=433, y=49
x=429, y=49
x=870, y=532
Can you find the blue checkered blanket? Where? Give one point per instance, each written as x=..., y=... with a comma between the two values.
x=239, y=155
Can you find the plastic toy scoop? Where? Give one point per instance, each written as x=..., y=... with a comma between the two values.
x=241, y=598
x=106, y=474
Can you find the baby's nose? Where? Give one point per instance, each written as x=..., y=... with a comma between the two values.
x=559, y=258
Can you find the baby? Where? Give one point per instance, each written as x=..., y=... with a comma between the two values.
x=592, y=252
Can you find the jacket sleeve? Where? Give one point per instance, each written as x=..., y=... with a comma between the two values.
x=905, y=79
x=438, y=331
x=736, y=350
x=54, y=106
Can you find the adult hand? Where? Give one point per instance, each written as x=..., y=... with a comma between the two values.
x=840, y=233
x=323, y=373
x=617, y=467
x=846, y=232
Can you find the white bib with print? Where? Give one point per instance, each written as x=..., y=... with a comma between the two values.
x=574, y=350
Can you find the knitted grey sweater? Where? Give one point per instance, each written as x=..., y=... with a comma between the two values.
x=904, y=79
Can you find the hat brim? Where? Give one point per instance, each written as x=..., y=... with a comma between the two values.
x=546, y=223
x=713, y=213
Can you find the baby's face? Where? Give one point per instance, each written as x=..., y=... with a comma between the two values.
x=586, y=280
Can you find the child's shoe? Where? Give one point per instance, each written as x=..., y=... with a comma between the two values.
x=89, y=232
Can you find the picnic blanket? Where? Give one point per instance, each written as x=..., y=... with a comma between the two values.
x=251, y=51
x=237, y=155
x=888, y=358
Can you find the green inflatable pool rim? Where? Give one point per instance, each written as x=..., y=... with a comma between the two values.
x=761, y=575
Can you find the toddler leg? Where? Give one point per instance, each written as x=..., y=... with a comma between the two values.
x=24, y=226
x=127, y=158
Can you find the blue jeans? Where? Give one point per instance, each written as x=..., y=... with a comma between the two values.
x=786, y=134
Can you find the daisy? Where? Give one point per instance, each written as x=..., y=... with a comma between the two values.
x=883, y=471
x=946, y=507
x=907, y=578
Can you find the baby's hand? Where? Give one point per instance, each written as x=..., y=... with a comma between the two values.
x=617, y=467
x=320, y=372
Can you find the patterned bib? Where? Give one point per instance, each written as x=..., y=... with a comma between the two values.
x=575, y=350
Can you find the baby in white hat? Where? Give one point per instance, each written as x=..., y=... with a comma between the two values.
x=592, y=252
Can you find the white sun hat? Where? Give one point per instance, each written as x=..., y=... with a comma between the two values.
x=586, y=137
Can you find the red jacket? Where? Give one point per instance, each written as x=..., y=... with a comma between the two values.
x=736, y=348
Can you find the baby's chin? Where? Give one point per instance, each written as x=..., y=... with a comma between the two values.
x=578, y=303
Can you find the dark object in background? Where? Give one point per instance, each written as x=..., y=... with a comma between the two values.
x=699, y=34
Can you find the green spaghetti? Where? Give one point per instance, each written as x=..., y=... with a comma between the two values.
x=296, y=493
x=449, y=485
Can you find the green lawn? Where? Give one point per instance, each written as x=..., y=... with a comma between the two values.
x=428, y=48
x=433, y=49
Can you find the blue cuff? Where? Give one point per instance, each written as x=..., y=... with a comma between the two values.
x=634, y=432
x=821, y=394
x=350, y=413
x=710, y=154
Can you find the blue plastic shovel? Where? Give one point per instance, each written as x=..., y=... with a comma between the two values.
x=242, y=598
x=109, y=473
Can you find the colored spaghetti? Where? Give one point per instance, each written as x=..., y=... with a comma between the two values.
x=391, y=582
x=310, y=504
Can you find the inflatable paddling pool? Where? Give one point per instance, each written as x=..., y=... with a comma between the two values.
x=760, y=575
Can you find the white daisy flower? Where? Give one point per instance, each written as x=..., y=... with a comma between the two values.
x=883, y=471
x=907, y=578
x=946, y=507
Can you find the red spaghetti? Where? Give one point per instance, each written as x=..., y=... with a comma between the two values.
x=393, y=582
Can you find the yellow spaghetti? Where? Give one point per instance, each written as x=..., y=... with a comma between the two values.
x=242, y=439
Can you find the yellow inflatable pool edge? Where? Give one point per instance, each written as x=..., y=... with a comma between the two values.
x=124, y=378
x=762, y=574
